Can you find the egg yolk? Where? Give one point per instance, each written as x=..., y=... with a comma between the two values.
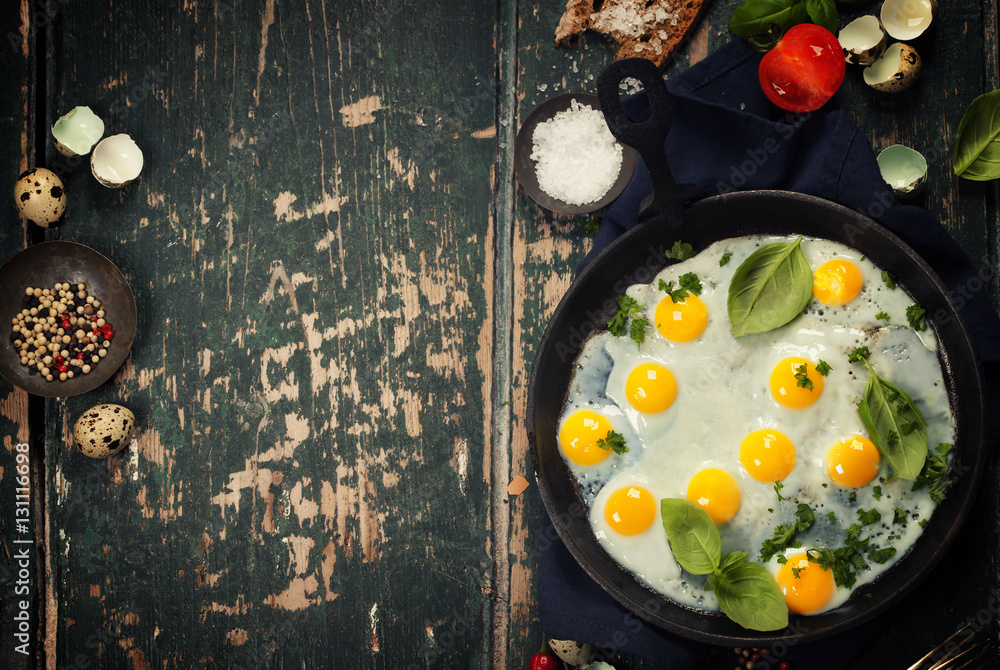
x=836, y=282
x=717, y=492
x=681, y=321
x=767, y=455
x=792, y=391
x=853, y=462
x=579, y=435
x=651, y=388
x=807, y=587
x=630, y=510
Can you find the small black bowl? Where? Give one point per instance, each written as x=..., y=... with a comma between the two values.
x=42, y=266
x=524, y=167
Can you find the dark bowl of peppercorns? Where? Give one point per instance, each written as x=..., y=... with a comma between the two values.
x=69, y=319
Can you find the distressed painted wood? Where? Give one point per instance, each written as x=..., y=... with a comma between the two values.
x=21, y=564
x=340, y=289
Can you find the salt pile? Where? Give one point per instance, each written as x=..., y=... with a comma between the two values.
x=577, y=158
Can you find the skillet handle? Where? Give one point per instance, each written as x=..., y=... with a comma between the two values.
x=648, y=136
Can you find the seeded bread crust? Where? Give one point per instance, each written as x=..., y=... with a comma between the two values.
x=650, y=29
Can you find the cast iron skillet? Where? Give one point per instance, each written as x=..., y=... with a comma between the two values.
x=636, y=257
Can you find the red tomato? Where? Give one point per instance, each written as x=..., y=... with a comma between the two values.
x=544, y=662
x=804, y=70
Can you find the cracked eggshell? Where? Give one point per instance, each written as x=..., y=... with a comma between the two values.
x=863, y=40
x=103, y=430
x=76, y=133
x=40, y=196
x=907, y=19
x=896, y=71
x=116, y=161
x=903, y=169
x=576, y=654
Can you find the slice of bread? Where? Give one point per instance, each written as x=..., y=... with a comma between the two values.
x=650, y=29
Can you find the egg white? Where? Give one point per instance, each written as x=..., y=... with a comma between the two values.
x=723, y=394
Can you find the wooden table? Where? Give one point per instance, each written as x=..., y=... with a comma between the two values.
x=340, y=290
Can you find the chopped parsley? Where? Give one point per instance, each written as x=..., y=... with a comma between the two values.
x=898, y=516
x=881, y=555
x=783, y=534
x=627, y=307
x=868, y=517
x=687, y=283
x=894, y=537
x=637, y=329
x=777, y=489
x=883, y=316
x=802, y=377
x=832, y=516
x=877, y=493
x=614, y=441
x=934, y=474
x=852, y=497
x=681, y=251
x=591, y=226
x=725, y=258
x=823, y=367
x=922, y=523
x=889, y=279
x=917, y=317
x=858, y=354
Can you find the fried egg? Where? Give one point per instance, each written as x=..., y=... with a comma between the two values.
x=748, y=428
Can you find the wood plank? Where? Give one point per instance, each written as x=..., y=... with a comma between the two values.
x=21, y=593
x=311, y=249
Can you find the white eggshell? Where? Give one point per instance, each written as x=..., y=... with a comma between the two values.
x=103, y=430
x=903, y=169
x=863, y=40
x=40, y=196
x=76, y=132
x=907, y=19
x=117, y=160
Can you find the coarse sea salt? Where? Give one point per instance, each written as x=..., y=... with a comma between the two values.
x=577, y=158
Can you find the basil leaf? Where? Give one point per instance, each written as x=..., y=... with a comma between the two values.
x=823, y=13
x=977, y=145
x=895, y=424
x=749, y=595
x=769, y=289
x=732, y=558
x=694, y=539
x=756, y=16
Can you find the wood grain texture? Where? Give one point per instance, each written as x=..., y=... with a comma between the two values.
x=310, y=245
x=18, y=28
x=341, y=288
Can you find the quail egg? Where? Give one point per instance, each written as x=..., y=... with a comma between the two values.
x=40, y=196
x=896, y=71
x=103, y=430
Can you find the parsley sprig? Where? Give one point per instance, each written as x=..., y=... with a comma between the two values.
x=934, y=474
x=628, y=309
x=802, y=377
x=687, y=283
x=614, y=441
x=784, y=535
x=916, y=316
x=681, y=251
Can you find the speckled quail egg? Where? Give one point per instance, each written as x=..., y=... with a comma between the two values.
x=40, y=196
x=896, y=71
x=103, y=430
x=575, y=654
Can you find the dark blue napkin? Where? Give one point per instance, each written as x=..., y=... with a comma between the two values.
x=727, y=136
